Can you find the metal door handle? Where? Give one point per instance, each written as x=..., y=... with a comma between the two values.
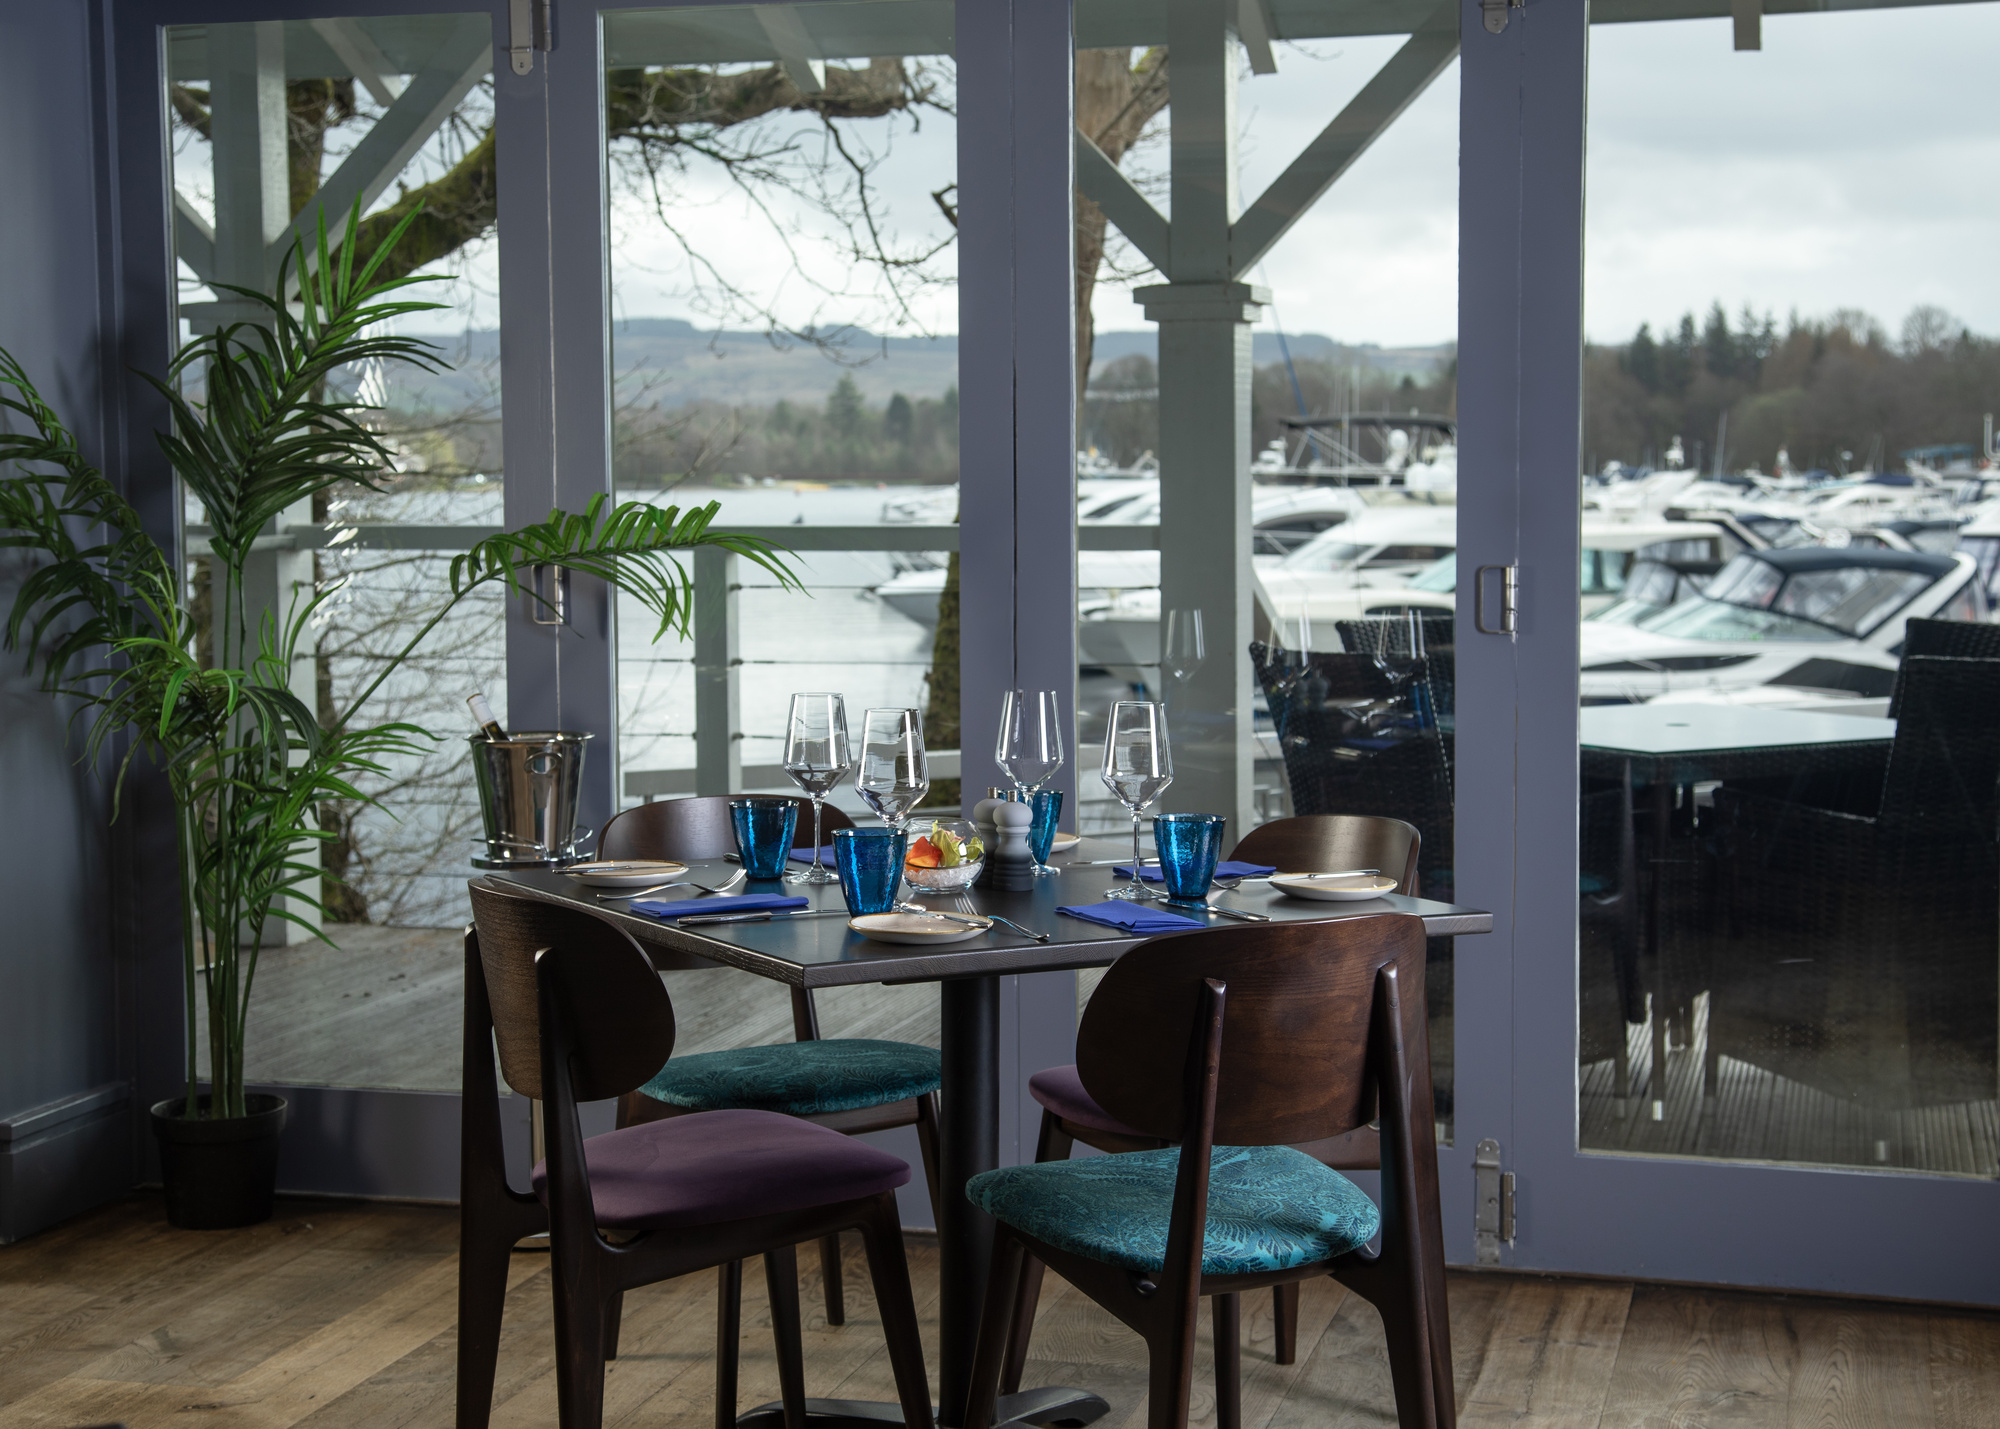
x=1510, y=590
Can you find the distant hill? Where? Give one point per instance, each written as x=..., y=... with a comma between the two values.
x=668, y=363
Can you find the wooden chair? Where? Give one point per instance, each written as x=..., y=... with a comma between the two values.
x=579, y=1014
x=1300, y=844
x=850, y=1084
x=1239, y=1044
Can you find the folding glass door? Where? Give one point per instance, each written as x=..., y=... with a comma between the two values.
x=1780, y=968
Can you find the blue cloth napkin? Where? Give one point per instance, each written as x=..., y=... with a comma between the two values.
x=725, y=903
x=1225, y=869
x=805, y=855
x=1139, y=917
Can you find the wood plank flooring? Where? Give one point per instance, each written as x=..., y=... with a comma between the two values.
x=339, y=1315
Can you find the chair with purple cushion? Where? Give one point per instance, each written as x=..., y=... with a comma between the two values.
x=579, y=1014
x=1306, y=843
x=851, y=1084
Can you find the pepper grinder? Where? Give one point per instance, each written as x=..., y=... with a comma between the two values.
x=982, y=824
x=1010, y=866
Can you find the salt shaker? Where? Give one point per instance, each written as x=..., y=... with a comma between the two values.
x=1010, y=866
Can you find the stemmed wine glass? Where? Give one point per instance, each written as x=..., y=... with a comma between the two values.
x=1030, y=748
x=1137, y=767
x=816, y=758
x=1182, y=649
x=893, y=775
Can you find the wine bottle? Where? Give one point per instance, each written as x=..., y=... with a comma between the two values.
x=482, y=713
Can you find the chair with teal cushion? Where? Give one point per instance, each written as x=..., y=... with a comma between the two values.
x=1229, y=1049
x=1303, y=843
x=851, y=1084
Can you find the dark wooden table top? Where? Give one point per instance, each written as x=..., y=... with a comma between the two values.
x=823, y=952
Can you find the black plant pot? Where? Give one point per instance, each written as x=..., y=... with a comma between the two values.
x=220, y=1174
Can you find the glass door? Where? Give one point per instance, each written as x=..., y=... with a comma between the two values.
x=1761, y=1049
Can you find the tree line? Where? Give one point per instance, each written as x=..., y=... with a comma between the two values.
x=905, y=438
x=1836, y=393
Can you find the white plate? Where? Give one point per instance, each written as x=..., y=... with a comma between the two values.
x=625, y=873
x=1354, y=888
x=1063, y=843
x=915, y=928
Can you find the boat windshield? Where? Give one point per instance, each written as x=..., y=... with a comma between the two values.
x=1750, y=599
x=1440, y=576
x=1326, y=556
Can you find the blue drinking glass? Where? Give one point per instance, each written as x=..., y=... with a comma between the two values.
x=870, y=865
x=763, y=829
x=1189, y=845
x=1047, y=808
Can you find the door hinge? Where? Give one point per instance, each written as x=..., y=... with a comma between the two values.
x=1493, y=1203
x=1510, y=600
x=1494, y=12
x=530, y=27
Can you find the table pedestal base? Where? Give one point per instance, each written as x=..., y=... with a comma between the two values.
x=1050, y=1408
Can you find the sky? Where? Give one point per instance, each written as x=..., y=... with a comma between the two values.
x=1850, y=163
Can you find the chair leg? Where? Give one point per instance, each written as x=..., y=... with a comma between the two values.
x=829, y=1271
x=927, y=1142
x=483, y=1255
x=1226, y=1316
x=580, y=1315
x=614, y=1317
x=781, y=1279
x=1410, y=1343
x=1285, y=1322
x=1170, y=1375
x=889, y=1270
x=728, y=1340
x=1051, y=1144
x=995, y=1318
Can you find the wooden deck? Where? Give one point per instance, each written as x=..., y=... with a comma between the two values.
x=1758, y=1115
x=342, y=1314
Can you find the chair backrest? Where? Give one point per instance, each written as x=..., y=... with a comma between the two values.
x=1944, y=767
x=694, y=828
x=1954, y=639
x=513, y=928
x=1295, y=1041
x=1307, y=843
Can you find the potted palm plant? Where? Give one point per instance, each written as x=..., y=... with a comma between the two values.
x=107, y=615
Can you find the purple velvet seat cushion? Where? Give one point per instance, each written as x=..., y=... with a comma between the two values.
x=726, y=1166
x=1060, y=1089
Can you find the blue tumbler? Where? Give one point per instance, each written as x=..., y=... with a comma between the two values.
x=870, y=865
x=763, y=829
x=1189, y=845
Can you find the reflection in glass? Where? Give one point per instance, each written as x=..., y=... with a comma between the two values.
x=1789, y=881
x=892, y=776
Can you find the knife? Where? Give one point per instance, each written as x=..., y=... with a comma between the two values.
x=1237, y=913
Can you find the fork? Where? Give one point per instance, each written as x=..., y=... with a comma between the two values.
x=965, y=906
x=722, y=887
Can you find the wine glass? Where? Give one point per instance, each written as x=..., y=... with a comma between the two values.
x=1182, y=649
x=1030, y=748
x=892, y=776
x=1137, y=766
x=816, y=758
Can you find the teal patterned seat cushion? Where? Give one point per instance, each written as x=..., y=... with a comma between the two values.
x=1269, y=1208
x=798, y=1078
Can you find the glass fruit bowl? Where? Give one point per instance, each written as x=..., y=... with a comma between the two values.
x=944, y=855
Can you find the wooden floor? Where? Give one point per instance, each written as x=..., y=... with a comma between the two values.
x=341, y=1314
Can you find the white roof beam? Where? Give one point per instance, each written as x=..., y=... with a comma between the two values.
x=787, y=34
x=352, y=47
x=1104, y=185
x=194, y=239
x=1408, y=74
x=1255, y=29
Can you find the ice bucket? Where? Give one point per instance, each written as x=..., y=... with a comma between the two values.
x=528, y=787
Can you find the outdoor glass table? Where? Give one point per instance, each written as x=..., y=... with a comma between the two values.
x=822, y=952
x=1671, y=746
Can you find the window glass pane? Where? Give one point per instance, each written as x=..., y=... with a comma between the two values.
x=1788, y=886
x=272, y=120
x=785, y=343
x=1346, y=373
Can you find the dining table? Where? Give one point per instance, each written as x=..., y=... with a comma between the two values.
x=819, y=952
x=1667, y=748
